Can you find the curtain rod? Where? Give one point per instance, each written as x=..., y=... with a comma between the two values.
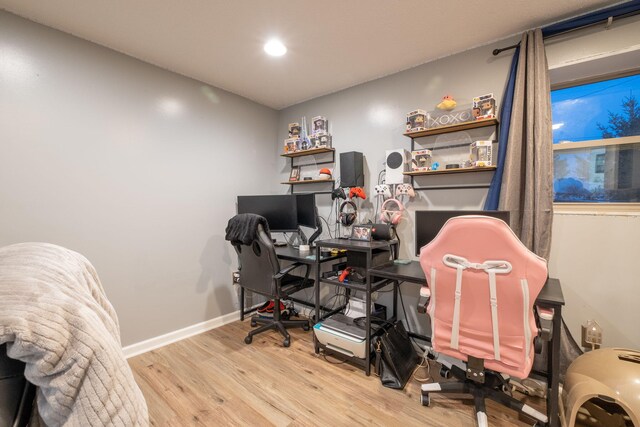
x=609, y=20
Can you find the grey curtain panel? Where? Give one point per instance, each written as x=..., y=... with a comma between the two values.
x=527, y=184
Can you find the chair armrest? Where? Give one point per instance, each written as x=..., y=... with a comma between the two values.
x=288, y=269
x=423, y=300
x=425, y=292
x=545, y=321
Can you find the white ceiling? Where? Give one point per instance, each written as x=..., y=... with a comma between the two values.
x=333, y=44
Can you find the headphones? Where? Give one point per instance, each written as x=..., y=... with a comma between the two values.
x=388, y=214
x=348, y=218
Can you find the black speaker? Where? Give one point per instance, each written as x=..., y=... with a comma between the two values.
x=351, y=169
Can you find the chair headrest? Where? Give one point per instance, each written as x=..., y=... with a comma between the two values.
x=243, y=228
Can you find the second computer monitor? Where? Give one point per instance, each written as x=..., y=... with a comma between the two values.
x=429, y=223
x=306, y=207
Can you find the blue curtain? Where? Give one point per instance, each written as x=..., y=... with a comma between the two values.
x=592, y=18
x=628, y=8
x=493, y=197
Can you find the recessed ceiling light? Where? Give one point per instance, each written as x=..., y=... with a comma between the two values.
x=275, y=48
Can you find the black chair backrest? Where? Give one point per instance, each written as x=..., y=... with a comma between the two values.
x=12, y=386
x=259, y=263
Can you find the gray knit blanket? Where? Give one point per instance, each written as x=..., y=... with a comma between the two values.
x=55, y=317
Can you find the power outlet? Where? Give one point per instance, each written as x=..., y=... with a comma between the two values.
x=591, y=335
x=235, y=277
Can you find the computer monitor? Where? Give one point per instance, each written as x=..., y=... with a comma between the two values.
x=279, y=210
x=306, y=207
x=429, y=223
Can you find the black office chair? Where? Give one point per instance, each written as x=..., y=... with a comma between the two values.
x=260, y=272
x=16, y=393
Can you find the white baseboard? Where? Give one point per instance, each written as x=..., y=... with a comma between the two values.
x=171, y=337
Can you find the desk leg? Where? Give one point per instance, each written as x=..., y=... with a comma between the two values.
x=553, y=369
x=367, y=311
x=241, y=303
x=316, y=288
x=395, y=300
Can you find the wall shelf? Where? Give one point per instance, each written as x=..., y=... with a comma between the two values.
x=452, y=128
x=455, y=170
x=308, y=181
x=308, y=152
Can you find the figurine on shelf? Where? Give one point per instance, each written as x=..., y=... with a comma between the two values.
x=294, y=130
x=319, y=124
x=416, y=121
x=291, y=145
x=420, y=160
x=484, y=107
x=480, y=153
x=324, y=174
x=447, y=103
x=323, y=140
x=305, y=141
x=435, y=166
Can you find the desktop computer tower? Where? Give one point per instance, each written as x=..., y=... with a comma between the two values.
x=351, y=169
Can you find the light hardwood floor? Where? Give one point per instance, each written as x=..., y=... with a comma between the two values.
x=215, y=379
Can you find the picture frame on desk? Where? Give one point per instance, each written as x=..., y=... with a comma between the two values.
x=361, y=232
x=295, y=174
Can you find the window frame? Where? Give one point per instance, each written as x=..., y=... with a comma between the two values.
x=596, y=208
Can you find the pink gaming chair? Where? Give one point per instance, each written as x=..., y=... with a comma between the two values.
x=482, y=283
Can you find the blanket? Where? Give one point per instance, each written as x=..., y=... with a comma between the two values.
x=55, y=317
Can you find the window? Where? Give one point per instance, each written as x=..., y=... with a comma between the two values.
x=596, y=137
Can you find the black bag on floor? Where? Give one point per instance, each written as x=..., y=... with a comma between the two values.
x=395, y=357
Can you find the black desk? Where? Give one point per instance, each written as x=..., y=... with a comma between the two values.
x=289, y=253
x=364, y=252
x=550, y=297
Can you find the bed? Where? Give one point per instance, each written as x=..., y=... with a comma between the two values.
x=55, y=318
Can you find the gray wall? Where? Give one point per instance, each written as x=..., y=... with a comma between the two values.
x=591, y=253
x=135, y=167
x=370, y=118
x=138, y=168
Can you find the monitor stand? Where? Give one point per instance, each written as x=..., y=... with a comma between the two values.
x=316, y=233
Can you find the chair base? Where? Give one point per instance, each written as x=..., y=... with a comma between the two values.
x=276, y=324
x=491, y=389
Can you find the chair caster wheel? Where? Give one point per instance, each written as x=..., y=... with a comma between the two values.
x=248, y=339
x=253, y=323
x=445, y=373
x=506, y=389
x=286, y=342
x=305, y=327
x=425, y=399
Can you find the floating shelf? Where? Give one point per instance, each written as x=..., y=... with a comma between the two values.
x=308, y=152
x=453, y=128
x=456, y=170
x=308, y=181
